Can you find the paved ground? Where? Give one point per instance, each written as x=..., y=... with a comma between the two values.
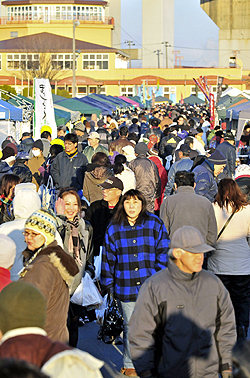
x=111, y=354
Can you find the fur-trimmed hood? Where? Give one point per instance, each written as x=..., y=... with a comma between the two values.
x=60, y=259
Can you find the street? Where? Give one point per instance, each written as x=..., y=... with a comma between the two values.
x=110, y=354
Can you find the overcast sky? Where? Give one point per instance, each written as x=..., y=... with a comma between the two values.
x=196, y=35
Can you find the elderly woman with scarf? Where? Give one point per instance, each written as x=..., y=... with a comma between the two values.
x=76, y=235
x=50, y=269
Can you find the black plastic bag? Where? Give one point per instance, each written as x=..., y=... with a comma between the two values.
x=112, y=323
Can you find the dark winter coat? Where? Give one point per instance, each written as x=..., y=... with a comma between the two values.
x=230, y=153
x=99, y=215
x=21, y=170
x=68, y=171
x=206, y=184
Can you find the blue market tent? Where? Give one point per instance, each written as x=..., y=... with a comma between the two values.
x=233, y=113
x=105, y=108
x=15, y=114
x=104, y=100
x=4, y=112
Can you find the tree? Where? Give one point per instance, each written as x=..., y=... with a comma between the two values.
x=9, y=89
x=37, y=59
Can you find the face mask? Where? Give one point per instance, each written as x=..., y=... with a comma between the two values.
x=36, y=153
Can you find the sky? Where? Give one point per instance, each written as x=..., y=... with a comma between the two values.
x=196, y=35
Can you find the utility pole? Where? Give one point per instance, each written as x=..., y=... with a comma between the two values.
x=130, y=43
x=158, y=52
x=175, y=52
x=75, y=24
x=166, y=44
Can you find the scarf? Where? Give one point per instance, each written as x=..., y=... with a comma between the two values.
x=73, y=154
x=74, y=245
x=5, y=200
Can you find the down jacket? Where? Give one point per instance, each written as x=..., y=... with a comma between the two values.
x=183, y=325
x=206, y=184
x=147, y=179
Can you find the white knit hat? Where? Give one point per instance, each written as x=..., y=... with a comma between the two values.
x=242, y=170
x=7, y=251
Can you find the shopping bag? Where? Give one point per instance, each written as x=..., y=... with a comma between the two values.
x=48, y=195
x=87, y=294
x=113, y=322
x=99, y=313
x=98, y=264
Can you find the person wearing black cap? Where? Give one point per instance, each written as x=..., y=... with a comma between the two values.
x=183, y=323
x=20, y=167
x=228, y=149
x=100, y=212
x=36, y=162
x=206, y=175
x=26, y=142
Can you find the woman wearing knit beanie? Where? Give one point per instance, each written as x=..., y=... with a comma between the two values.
x=49, y=268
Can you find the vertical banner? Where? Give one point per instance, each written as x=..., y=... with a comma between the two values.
x=144, y=92
x=212, y=110
x=182, y=100
x=44, y=109
x=219, y=88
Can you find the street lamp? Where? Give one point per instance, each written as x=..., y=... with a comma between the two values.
x=75, y=24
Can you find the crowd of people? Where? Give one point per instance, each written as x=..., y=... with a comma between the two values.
x=151, y=204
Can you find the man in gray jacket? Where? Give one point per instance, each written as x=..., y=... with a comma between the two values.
x=183, y=324
x=146, y=174
x=186, y=208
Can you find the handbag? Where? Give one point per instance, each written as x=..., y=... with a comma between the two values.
x=112, y=323
x=87, y=294
x=48, y=195
x=225, y=225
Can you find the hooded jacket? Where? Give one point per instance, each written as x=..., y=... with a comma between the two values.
x=147, y=179
x=21, y=170
x=91, y=191
x=187, y=327
x=53, y=271
x=206, y=184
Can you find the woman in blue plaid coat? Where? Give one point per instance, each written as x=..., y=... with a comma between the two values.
x=135, y=247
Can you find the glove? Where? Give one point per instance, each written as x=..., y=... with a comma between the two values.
x=227, y=374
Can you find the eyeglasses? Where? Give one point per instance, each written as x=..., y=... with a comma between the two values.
x=31, y=234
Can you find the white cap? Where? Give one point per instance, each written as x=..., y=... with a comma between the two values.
x=7, y=251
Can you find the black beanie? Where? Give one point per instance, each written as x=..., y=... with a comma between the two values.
x=38, y=144
x=7, y=152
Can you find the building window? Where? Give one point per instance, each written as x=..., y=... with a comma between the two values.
x=92, y=89
x=62, y=61
x=0, y=61
x=127, y=91
x=13, y=34
x=59, y=12
x=22, y=61
x=82, y=90
x=95, y=62
x=102, y=90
